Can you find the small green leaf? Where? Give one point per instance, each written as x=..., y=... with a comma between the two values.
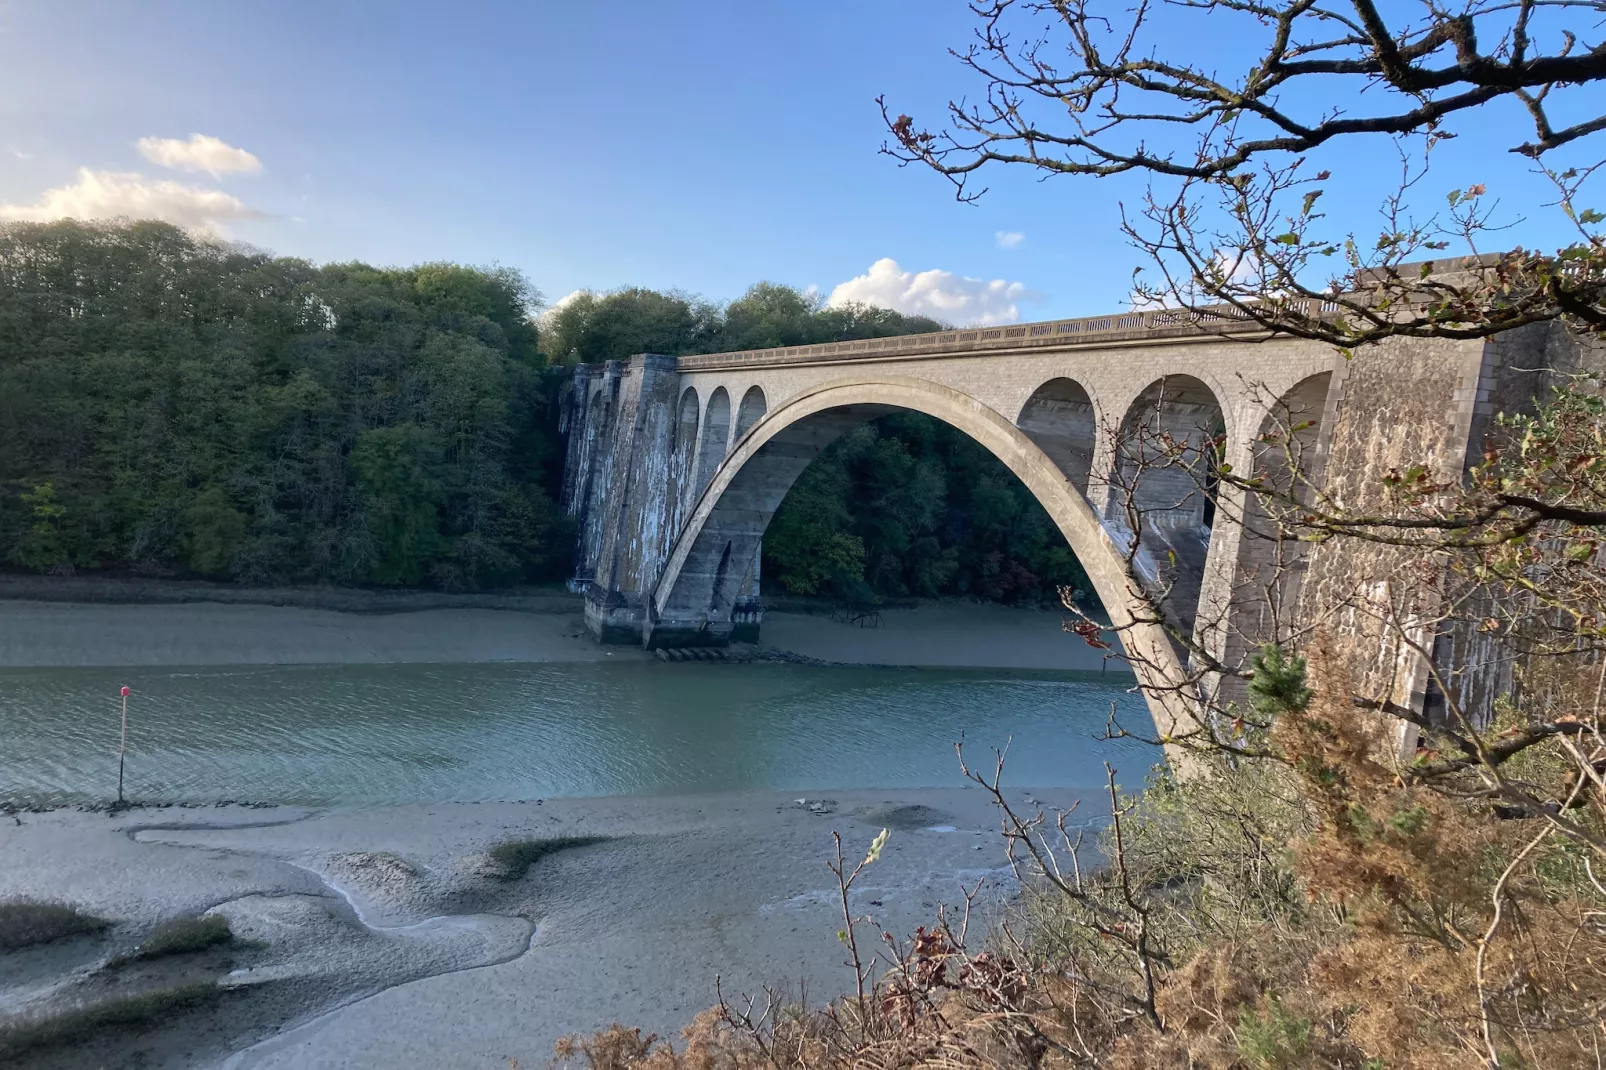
x=875, y=847
x=1288, y=239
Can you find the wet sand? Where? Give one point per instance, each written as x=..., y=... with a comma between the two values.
x=951, y=634
x=389, y=941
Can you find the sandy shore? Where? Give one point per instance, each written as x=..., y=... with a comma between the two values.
x=388, y=941
x=49, y=633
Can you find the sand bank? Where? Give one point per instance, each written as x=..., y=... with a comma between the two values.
x=50, y=633
x=390, y=942
x=66, y=634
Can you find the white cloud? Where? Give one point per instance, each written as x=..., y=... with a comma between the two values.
x=552, y=309
x=201, y=153
x=114, y=194
x=19, y=154
x=942, y=295
x=1008, y=239
x=1241, y=267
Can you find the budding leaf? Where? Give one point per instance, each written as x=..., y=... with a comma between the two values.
x=875, y=847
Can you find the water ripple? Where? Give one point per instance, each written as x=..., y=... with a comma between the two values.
x=409, y=733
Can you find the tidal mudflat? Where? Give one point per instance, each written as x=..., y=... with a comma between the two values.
x=392, y=936
x=478, y=830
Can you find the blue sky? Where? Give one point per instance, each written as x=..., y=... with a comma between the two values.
x=701, y=145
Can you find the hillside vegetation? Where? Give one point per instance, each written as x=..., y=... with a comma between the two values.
x=174, y=406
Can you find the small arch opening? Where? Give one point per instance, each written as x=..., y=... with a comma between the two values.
x=1270, y=569
x=750, y=412
x=1163, y=485
x=1059, y=417
x=683, y=438
x=716, y=434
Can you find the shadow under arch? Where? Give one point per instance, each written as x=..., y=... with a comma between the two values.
x=695, y=599
x=716, y=431
x=1284, y=457
x=1060, y=417
x=751, y=410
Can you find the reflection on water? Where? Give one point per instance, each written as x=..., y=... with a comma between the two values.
x=437, y=733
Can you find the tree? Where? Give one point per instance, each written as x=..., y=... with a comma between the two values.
x=171, y=405
x=1085, y=88
x=589, y=328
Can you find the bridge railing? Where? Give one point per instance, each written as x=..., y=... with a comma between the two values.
x=1123, y=327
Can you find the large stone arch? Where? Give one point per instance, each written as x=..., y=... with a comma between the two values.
x=697, y=594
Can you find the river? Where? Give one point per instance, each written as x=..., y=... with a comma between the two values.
x=380, y=734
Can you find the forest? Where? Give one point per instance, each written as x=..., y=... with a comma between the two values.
x=174, y=406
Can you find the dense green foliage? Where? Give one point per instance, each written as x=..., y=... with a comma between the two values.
x=592, y=327
x=907, y=505
x=172, y=405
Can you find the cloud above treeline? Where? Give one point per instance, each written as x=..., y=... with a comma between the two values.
x=200, y=154
x=98, y=194
x=114, y=194
x=942, y=295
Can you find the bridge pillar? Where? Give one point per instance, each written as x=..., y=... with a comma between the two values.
x=622, y=453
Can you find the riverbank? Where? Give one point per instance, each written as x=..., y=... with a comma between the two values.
x=185, y=625
x=391, y=937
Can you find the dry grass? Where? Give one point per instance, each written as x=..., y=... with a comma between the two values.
x=26, y=922
x=31, y=1033
x=514, y=858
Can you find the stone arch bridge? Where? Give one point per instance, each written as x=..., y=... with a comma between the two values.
x=676, y=465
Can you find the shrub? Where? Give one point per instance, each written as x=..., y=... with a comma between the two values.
x=26, y=922
x=32, y=1032
x=515, y=857
x=182, y=936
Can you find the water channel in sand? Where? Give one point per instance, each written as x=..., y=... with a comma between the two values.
x=371, y=734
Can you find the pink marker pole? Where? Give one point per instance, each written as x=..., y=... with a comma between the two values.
x=122, y=747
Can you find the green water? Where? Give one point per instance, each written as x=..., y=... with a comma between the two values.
x=437, y=733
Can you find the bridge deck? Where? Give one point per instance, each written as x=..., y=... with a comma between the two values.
x=1152, y=325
